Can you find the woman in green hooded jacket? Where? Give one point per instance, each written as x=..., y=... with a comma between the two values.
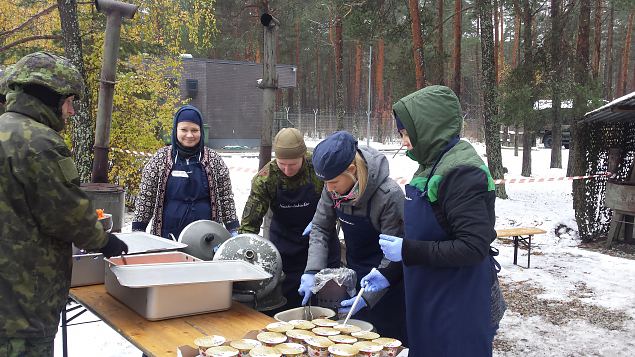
x=449, y=217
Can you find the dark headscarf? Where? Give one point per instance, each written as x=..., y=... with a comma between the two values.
x=190, y=114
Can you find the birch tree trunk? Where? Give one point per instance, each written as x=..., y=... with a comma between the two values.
x=492, y=136
x=82, y=126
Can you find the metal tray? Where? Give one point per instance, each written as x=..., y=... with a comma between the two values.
x=172, y=284
x=88, y=268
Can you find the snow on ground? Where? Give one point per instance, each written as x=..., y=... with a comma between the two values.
x=571, y=302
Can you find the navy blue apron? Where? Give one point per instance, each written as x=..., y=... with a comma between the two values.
x=363, y=253
x=186, y=197
x=448, y=309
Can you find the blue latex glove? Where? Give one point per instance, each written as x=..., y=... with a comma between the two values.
x=347, y=304
x=233, y=232
x=391, y=246
x=307, y=281
x=307, y=230
x=374, y=281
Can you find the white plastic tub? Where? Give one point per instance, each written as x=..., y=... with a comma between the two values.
x=165, y=285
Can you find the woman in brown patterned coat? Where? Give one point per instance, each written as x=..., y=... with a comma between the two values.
x=184, y=182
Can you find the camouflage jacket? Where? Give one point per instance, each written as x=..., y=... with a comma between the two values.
x=42, y=211
x=264, y=187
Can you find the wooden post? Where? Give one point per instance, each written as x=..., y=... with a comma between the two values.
x=269, y=86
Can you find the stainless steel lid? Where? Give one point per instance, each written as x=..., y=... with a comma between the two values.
x=203, y=237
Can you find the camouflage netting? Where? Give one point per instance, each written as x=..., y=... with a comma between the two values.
x=598, y=137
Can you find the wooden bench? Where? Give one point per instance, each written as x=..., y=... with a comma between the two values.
x=520, y=236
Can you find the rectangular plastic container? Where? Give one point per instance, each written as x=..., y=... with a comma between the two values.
x=165, y=285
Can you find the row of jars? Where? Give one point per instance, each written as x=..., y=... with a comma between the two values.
x=316, y=338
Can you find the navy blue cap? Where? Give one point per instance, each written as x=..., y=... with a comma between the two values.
x=334, y=154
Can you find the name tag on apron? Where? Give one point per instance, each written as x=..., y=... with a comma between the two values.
x=179, y=173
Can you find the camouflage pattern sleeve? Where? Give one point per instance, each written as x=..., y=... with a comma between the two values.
x=258, y=202
x=57, y=204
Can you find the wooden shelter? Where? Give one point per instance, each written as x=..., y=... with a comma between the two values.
x=608, y=138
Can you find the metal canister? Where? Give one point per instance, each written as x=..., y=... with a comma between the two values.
x=341, y=350
x=369, y=348
x=391, y=346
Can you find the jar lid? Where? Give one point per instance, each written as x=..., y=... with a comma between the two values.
x=209, y=341
x=245, y=344
x=368, y=346
x=290, y=348
x=365, y=335
x=341, y=350
x=301, y=334
x=264, y=351
x=388, y=342
x=324, y=322
x=271, y=337
x=302, y=324
x=279, y=326
x=319, y=341
x=325, y=331
x=343, y=339
x=221, y=351
x=348, y=328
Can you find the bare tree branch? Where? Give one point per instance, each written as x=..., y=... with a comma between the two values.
x=29, y=21
x=29, y=39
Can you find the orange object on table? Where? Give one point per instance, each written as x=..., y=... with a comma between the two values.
x=100, y=213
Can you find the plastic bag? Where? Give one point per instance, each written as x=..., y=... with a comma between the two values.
x=341, y=276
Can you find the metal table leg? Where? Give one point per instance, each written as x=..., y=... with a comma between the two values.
x=65, y=322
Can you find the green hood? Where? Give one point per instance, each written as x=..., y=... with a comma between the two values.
x=432, y=116
x=20, y=102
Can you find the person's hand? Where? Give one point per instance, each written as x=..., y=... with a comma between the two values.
x=114, y=246
x=307, y=230
x=374, y=281
x=233, y=232
x=348, y=304
x=307, y=281
x=391, y=246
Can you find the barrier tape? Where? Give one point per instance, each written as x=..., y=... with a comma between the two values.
x=403, y=180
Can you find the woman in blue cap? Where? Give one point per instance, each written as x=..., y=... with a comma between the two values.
x=184, y=182
x=358, y=193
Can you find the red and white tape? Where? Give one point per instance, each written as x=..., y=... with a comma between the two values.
x=403, y=180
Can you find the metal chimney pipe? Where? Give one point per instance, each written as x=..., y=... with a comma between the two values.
x=114, y=11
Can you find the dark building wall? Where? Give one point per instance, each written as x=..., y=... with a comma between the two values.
x=229, y=98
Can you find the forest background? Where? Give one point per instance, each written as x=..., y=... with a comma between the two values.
x=500, y=57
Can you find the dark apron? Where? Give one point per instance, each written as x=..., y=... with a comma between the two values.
x=293, y=211
x=186, y=197
x=448, y=308
x=363, y=253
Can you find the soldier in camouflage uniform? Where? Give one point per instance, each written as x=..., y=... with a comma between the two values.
x=42, y=209
x=3, y=89
x=288, y=186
